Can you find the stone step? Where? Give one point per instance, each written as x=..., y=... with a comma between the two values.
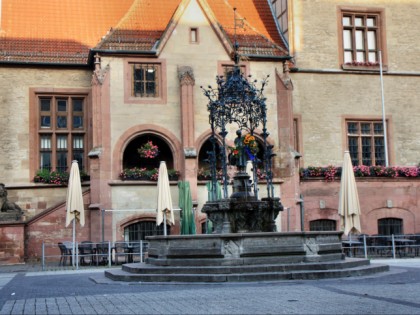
x=308, y=274
x=142, y=268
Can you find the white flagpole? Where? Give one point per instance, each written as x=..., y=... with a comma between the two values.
x=383, y=110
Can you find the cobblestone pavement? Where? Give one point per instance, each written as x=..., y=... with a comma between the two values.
x=89, y=292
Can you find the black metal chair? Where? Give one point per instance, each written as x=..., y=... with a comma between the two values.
x=86, y=253
x=65, y=253
x=102, y=253
x=120, y=252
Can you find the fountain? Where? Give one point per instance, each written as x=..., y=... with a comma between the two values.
x=244, y=245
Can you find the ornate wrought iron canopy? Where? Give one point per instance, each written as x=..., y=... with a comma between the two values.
x=237, y=100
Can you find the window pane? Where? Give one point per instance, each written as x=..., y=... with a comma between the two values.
x=45, y=158
x=360, y=56
x=61, y=161
x=366, y=151
x=78, y=156
x=61, y=105
x=45, y=121
x=77, y=122
x=358, y=21
x=365, y=128
x=138, y=74
x=138, y=88
x=379, y=151
x=353, y=149
x=346, y=20
x=77, y=105
x=62, y=142
x=78, y=143
x=45, y=105
x=379, y=128
x=359, y=40
x=348, y=56
x=347, y=39
x=61, y=122
x=45, y=142
x=150, y=89
x=370, y=22
x=372, y=57
x=371, y=39
x=353, y=127
x=150, y=74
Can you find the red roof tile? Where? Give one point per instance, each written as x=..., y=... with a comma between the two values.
x=259, y=34
x=64, y=31
x=51, y=30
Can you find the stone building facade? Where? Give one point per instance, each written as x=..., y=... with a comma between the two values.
x=95, y=90
x=337, y=85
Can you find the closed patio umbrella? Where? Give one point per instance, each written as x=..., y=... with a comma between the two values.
x=349, y=206
x=165, y=212
x=75, y=210
x=186, y=205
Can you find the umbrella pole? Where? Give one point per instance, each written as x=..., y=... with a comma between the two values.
x=164, y=223
x=74, y=242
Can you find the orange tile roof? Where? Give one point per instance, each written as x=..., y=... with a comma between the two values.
x=259, y=34
x=142, y=26
x=56, y=31
x=64, y=31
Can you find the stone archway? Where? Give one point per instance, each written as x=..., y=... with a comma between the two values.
x=171, y=141
x=131, y=157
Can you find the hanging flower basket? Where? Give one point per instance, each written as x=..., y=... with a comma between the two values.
x=148, y=150
x=247, y=146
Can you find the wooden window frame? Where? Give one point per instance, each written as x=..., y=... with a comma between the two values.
x=359, y=135
x=37, y=131
x=364, y=12
x=129, y=98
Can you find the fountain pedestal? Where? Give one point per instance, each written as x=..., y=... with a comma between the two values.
x=243, y=212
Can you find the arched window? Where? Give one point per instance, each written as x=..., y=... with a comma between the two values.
x=132, y=158
x=389, y=226
x=139, y=230
x=323, y=225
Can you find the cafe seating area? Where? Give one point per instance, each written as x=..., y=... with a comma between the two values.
x=381, y=246
x=92, y=254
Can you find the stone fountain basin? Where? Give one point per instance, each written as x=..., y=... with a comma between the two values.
x=244, y=248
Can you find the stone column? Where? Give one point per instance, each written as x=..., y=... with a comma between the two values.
x=100, y=155
x=289, y=168
x=187, y=82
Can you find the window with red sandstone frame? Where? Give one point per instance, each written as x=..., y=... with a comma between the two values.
x=362, y=38
x=61, y=131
